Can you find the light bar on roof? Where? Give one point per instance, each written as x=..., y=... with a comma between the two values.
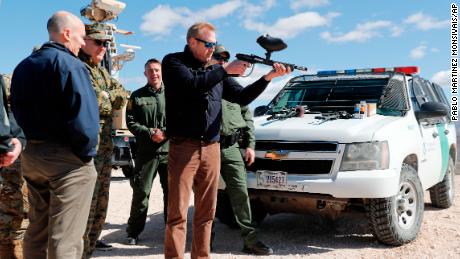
x=405, y=70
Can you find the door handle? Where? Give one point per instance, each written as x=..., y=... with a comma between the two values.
x=446, y=131
x=435, y=134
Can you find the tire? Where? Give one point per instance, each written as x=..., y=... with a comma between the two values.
x=396, y=220
x=442, y=194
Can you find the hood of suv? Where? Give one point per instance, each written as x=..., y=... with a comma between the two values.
x=307, y=128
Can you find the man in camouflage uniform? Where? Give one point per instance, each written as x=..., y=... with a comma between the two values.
x=13, y=201
x=146, y=119
x=237, y=124
x=110, y=95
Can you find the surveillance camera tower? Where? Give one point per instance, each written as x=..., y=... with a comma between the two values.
x=101, y=11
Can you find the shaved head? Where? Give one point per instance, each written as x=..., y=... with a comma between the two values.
x=60, y=21
x=67, y=29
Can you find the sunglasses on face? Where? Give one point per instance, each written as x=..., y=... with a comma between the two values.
x=220, y=58
x=99, y=43
x=207, y=44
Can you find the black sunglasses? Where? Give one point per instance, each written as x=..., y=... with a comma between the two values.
x=99, y=43
x=219, y=57
x=207, y=44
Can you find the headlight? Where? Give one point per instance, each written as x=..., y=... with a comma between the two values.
x=366, y=156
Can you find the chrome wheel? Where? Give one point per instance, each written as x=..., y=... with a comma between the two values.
x=406, y=208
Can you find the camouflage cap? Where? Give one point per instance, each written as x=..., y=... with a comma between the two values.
x=220, y=49
x=97, y=31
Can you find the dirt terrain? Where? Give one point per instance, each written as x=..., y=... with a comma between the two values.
x=290, y=235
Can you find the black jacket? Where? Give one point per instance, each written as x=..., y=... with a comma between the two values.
x=194, y=93
x=9, y=129
x=53, y=100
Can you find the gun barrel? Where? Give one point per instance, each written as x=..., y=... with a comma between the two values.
x=256, y=59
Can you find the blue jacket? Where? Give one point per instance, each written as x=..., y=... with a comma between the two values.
x=53, y=100
x=194, y=93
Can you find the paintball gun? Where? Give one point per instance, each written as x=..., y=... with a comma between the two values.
x=297, y=111
x=270, y=44
x=329, y=116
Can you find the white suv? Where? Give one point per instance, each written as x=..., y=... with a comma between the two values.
x=316, y=153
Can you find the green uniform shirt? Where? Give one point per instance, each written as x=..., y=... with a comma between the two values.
x=144, y=112
x=236, y=117
x=103, y=81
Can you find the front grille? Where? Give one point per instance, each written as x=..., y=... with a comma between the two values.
x=297, y=146
x=303, y=167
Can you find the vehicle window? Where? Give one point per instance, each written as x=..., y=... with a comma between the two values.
x=333, y=95
x=289, y=98
x=429, y=91
x=394, y=100
x=440, y=94
x=442, y=97
x=424, y=91
x=420, y=97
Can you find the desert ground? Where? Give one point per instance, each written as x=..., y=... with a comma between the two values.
x=290, y=235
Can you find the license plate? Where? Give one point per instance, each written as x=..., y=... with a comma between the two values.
x=272, y=179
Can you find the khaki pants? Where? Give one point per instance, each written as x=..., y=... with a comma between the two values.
x=192, y=164
x=60, y=190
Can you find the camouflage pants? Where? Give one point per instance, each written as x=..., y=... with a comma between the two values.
x=13, y=204
x=100, y=201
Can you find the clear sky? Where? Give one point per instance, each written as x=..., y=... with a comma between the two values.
x=321, y=34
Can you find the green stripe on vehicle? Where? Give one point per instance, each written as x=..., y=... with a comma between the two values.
x=444, y=149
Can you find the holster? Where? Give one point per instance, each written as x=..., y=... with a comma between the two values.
x=230, y=140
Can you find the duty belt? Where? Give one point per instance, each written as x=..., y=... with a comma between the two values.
x=230, y=140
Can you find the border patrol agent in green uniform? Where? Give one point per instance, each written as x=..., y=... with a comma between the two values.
x=146, y=119
x=237, y=123
x=13, y=200
x=110, y=95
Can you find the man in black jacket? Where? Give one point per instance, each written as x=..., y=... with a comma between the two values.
x=54, y=103
x=193, y=115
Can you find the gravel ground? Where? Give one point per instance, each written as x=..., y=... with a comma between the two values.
x=290, y=235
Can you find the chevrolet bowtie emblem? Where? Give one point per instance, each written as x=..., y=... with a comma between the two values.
x=276, y=155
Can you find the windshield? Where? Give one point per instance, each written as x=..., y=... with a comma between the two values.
x=329, y=95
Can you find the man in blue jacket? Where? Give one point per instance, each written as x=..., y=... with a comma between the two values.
x=54, y=102
x=194, y=92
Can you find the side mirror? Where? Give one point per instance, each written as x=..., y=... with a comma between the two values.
x=430, y=110
x=260, y=110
